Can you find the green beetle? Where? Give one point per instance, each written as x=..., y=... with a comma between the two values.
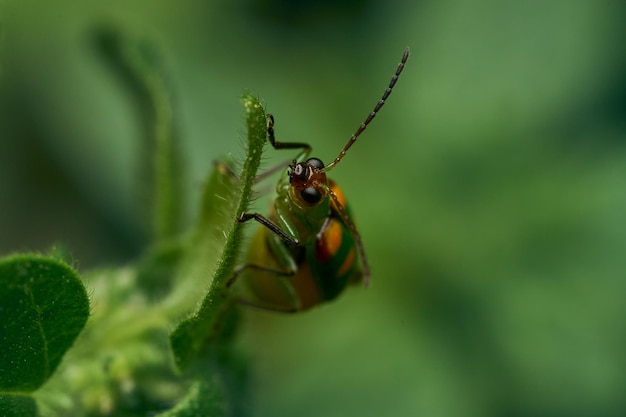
x=308, y=249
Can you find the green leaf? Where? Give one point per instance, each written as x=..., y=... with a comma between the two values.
x=139, y=67
x=157, y=267
x=203, y=250
x=205, y=398
x=220, y=384
x=190, y=337
x=43, y=308
x=17, y=406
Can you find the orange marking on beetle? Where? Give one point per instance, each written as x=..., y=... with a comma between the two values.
x=338, y=193
x=347, y=264
x=305, y=287
x=330, y=241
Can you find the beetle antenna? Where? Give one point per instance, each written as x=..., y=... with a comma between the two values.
x=370, y=117
x=355, y=234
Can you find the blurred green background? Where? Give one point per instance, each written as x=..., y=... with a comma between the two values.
x=490, y=191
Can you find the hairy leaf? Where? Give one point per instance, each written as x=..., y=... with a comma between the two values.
x=191, y=335
x=43, y=308
x=17, y=406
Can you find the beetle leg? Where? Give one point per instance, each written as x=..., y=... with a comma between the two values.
x=227, y=170
x=279, y=166
x=270, y=307
x=306, y=148
x=270, y=225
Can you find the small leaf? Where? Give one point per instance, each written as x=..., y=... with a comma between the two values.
x=17, y=406
x=157, y=268
x=190, y=337
x=43, y=308
x=205, y=398
x=220, y=386
x=202, y=250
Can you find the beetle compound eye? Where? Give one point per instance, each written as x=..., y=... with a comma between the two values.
x=300, y=172
x=315, y=163
x=311, y=195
